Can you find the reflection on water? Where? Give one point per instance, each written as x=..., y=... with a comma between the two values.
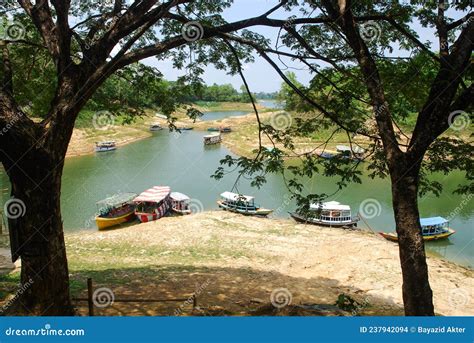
x=184, y=163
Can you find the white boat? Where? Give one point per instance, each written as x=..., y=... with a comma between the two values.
x=355, y=153
x=155, y=127
x=105, y=146
x=243, y=204
x=214, y=138
x=180, y=203
x=331, y=213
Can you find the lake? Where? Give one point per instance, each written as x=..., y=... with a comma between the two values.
x=184, y=163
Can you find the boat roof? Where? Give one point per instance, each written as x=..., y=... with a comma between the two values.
x=356, y=149
x=212, y=135
x=179, y=196
x=234, y=196
x=117, y=199
x=154, y=194
x=432, y=221
x=330, y=205
x=106, y=142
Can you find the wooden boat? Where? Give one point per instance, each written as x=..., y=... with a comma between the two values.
x=354, y=153
x=155, y=127
x=115, y=210
x=242, y=204
x=105, y=146
x=213, y=129
x=212, y=139
x=180, y=203
x=331, y=213
x=186, y=128
x=152, y=204
x=432, y=229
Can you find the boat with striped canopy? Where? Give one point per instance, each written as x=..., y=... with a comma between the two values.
x=432, y=229
x=153, y=203
x=115, y=210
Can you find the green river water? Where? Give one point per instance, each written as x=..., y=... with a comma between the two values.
x=184, y=163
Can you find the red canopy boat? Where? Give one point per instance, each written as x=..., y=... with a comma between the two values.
x=153, y=203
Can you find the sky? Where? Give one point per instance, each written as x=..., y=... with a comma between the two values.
x=260, y=75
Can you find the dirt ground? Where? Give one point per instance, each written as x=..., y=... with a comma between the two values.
x=234, y=264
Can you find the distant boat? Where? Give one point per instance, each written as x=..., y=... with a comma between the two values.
x=356, y=152
x=180, y=203
x=331, y=213
x=162, y=116
x=214, y=138
x=105, y=146
x=433, y=228
x=220, y=129
x=326, y=155
x=186, y=128
x=153, y=203
x=155, y=127
x=115, y=210
x=243, y=204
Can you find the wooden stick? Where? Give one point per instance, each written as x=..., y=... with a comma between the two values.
x=89, y=297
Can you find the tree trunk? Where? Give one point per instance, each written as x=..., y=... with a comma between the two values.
x=36, y=182
x=417, y=294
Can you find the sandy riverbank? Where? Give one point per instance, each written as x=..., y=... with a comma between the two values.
x=240, y=259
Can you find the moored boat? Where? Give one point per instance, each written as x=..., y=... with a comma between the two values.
x=243, y=204
x=331, y=213
x=155, y=127
x=153, y=203
x=105, y=146
x=212, y=139
x=180, y=203
x=115, y=210
x=432, y=229
x=354, y=153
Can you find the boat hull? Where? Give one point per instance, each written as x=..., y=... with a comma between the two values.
x=299, y=218
x=97, y=149
x=182, y=212
x=104, y=223
x=156, y=214
x=392, y=236
x=257, y=212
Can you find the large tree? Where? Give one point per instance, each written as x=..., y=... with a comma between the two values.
x=89, y=41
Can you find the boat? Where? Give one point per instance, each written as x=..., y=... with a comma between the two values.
x=186, y=128
x=155, y=127
x=220, y=129
x=153, y=203
x=105, y=146
x=331, y=213
x=214, y=138
x=115, y=210
x=354, y=152
x=180, y=203
x=243, y=204
x=326, y=155
x=432, y=229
